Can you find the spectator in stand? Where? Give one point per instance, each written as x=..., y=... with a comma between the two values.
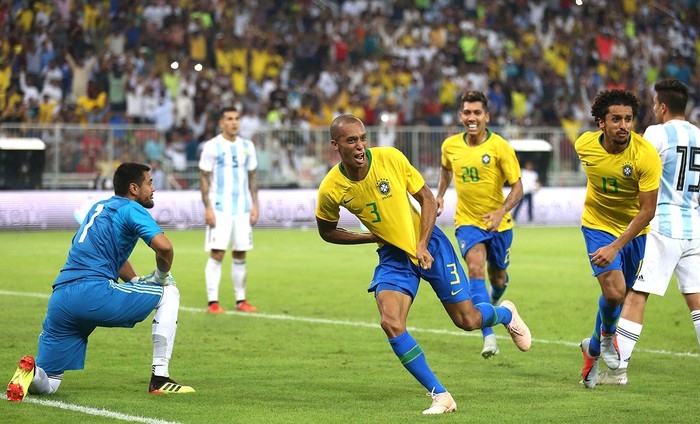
x=117, y=81
x=93, y=107
x=80, y=69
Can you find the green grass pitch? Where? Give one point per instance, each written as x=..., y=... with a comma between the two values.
x=315, y=352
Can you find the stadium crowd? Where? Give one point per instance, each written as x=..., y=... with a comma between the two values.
x=173, y=63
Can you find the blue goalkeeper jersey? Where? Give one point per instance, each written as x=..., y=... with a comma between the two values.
x=106, y=239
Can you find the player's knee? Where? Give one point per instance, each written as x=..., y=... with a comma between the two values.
x=393, y=327
x=171, y=294
x=614, y=297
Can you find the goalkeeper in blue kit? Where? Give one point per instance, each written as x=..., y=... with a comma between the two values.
x=87, y=294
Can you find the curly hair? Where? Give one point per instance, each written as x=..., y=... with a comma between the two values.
x=614, y=97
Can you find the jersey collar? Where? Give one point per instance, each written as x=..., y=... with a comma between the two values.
x=368, y=153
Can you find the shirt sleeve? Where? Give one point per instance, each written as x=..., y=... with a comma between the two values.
x=655, y=135
x=414, y=180
x=326, y=207
x=206, y=162
x=142, y=222
x=253, y=158
x=650, y=170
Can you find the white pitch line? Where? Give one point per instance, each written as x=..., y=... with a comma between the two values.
x=374, y=325
x=94, y=411
x=419, y=330
x=134, y=418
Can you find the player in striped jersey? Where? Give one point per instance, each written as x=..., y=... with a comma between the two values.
x=230, y=195
x=374, y=185
x=87, y=294
x=623, y=172
x=673, y=245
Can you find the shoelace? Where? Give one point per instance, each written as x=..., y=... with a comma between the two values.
x=513, y=329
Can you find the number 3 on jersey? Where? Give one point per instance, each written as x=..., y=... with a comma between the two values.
x=374, y=212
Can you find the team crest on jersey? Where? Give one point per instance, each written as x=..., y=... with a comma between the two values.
x=486, y=159
x=383, y=186
x=627, y=169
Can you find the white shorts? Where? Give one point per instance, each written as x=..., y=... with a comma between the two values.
x=663, y=257
x=234, y=231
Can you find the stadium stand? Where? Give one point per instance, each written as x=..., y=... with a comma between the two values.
x=172, y=63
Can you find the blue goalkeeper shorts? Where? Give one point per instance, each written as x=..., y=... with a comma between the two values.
x=397, y=272
x=76, y=309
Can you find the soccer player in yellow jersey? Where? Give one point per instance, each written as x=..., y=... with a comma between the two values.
x=481, y=162
x=374, y=184
x=623, y=172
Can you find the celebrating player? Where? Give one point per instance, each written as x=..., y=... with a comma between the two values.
x=374, y=185
x=482, y=162
x=673, y=244
x=623, y=173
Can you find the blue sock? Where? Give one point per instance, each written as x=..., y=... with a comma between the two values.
x=479, y=294
x=496, y=293
x=594, y=347
x=492, y=315
x=412, y=357
x=609, y=315
x=606, y=319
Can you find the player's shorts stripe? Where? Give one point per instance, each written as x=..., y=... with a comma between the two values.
x=138, y=288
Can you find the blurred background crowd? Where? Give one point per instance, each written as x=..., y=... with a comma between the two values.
x=174, y=63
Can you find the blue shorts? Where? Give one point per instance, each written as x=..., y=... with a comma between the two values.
x=497, y=244
x=76, y=309
x=628, y=259
x=446, y=276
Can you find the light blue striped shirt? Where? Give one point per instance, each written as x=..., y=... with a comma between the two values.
x=229, y=163
x=677, y=214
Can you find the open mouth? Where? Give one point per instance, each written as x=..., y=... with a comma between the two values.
x=360, y=157
x=471, y=127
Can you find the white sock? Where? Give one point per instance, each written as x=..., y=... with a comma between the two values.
x=238, y=274
x=627, y=335
x=164, y=329
x=212, y=276
x=695, y=315
x=43, y=384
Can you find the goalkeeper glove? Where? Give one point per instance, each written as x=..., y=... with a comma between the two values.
x=159, y=277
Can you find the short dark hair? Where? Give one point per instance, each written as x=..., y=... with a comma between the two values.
x=672, y=93
x=606, y=98
x=226, y=109
x=340, y=120
x=474, y=96
x=127, y=173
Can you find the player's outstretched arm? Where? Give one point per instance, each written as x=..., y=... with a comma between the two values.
x=330, y=232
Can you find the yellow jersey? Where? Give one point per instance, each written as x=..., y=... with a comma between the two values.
x=480, y=173
x=380, y=200
x=615, y=180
